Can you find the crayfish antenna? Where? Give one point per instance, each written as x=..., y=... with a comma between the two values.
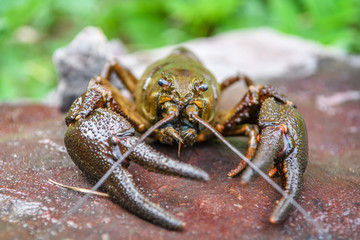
x=110, y=171
x=322, y=233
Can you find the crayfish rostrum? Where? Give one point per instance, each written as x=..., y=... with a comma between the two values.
x=176, y=100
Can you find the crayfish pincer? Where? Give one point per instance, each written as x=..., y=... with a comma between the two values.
x=282, y=143
x=96, y=138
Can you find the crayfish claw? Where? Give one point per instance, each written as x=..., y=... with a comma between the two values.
x=121, y=187
x=155, y=161
x=96, y=142
x=283, y=148
x=265, y=154
x=293, y=177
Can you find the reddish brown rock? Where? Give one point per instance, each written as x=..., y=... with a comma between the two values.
x=32, y=151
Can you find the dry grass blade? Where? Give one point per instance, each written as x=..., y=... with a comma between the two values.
x=83, y=190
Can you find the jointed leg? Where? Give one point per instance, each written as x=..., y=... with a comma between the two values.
x=244, y=116
x=102, y=94
x=250, y=131
x=129, y=80
x=247, y=110
x=206, y=134
x=128, y=108
x=231, y=80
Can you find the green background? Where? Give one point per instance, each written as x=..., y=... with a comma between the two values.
x=31, y=30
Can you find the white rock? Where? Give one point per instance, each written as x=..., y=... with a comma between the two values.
x=262, y=53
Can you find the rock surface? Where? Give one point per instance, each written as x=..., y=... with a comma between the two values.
x=32, y=151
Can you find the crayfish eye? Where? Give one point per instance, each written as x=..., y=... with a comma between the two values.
x=162, y=82
x=201, y=87
x=204, y=87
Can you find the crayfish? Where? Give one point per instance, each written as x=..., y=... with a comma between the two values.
x=176, y=102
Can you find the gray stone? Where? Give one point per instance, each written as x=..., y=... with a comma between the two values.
x=263, y=54
x=81, y=60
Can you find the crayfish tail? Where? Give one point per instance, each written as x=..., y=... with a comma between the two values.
x=123, y=190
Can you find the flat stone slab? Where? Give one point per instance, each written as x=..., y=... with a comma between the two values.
x=32, y=151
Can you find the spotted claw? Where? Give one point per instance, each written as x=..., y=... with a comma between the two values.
x=96, y=141
x=283, y=143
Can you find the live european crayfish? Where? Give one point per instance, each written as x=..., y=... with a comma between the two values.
x=176, y=101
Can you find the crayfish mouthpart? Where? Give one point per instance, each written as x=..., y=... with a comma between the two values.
x=179, y=148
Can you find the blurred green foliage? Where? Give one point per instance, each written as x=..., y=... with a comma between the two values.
x=31, y=30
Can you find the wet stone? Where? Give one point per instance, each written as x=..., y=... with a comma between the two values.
x=32, y=151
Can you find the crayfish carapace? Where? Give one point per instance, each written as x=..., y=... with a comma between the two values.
x=176, y=102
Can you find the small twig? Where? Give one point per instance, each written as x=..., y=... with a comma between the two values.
x=83, y=190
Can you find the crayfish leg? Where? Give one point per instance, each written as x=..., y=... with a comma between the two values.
x=250, y=131
x=231, y=80
x=124, y=75
x=117, y=102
